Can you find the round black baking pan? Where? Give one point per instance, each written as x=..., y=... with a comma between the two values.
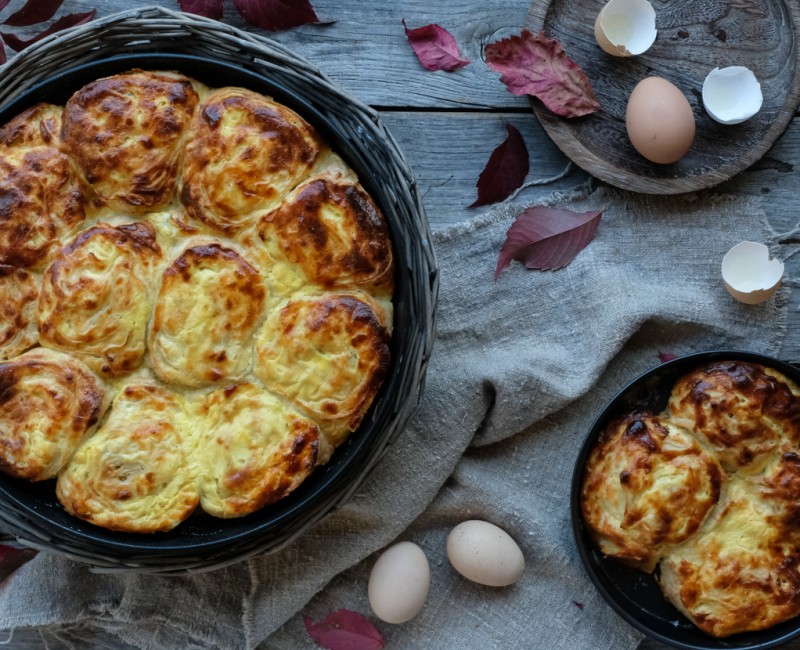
x=634, y=594
x=32, y=511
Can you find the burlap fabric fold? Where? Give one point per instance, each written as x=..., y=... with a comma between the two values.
x=520, y=368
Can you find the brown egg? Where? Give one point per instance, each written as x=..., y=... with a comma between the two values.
x=659, y=120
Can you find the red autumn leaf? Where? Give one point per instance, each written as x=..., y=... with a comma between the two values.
x=12, y=559
x=33, y=12
x=207, y=8
x=276, y=15
x=666, y=356
x=17, y=44
x=537, y=65
x=344, y=630
x=547, y=238
x=504, y=172
x=435, y=47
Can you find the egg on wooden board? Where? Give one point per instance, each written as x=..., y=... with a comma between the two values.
x=399, y=583
x=485, y=553
x=659, y=121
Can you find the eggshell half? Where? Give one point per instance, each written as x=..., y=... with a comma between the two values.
x=399, y=583
x=749, y=273
x=732, y=95
x=659, y=120
x=485, y=553
x=626, y=27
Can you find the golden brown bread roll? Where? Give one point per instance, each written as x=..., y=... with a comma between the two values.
x=740, y=410
x=211, y=299
x=39, y=125
x=95, y=299
x=252, y=450
x=19, y=293
x=334, y=232
x=740, y=573
x=40, y=204
x=328, y=354
x=125, y=133
x=244, y=152
x=49, y=402
x=648, y=485
x=133, y=475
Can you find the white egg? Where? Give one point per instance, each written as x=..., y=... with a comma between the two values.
x=732, y=95
x=626, y=27
x=485, y=553
x=399, y=583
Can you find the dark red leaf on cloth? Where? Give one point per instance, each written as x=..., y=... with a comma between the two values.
x=505, y=170
x=666, y=356
x=2, y=54
x=3, y=4
x=276, y=15
x=12, y=559
x=547, y=238
x=537, y=65
x=207, y=8
x=17, y=44
x=435, y=47
x=344, y=630
x=33, y=12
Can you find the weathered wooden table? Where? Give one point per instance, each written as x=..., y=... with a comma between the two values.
x=449, y=123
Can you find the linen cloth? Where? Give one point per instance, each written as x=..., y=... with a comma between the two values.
x=521, y=366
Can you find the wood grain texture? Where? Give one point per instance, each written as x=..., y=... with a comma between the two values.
x=693, y=38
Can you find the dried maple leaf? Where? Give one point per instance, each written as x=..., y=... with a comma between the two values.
x=276, y=15
x=12, y=559
x=344, y=630
x=207, y=8
x=537, y=65
x=435, y=47
x=17, y=44
x=33, y=12
x=547, y=238
x=505, y=170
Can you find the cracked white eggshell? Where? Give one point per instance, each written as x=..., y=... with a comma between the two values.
x=399, y=583
x=626, y=27
x=750, y=274
x=732, y=95
x=485, y=553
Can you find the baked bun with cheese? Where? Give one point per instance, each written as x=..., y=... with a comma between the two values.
x=252, y=450
x=19, y=293
x=327, y=354
x=740, y=573
x=334, y=233
x=133, y=475
x=244, y=152
x=40, y=125
x=95, y=299
x=209, y=303
x=203, y=261
x=125, y=133
x=648, y=486
x=740, y=410
x=49, y=402
x=41, y=204
x=732, y=567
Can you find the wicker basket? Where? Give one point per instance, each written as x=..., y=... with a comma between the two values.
x=156, y=36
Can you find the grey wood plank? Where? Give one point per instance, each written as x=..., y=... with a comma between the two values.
x=367, y=53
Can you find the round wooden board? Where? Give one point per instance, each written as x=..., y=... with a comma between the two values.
x=693, y=39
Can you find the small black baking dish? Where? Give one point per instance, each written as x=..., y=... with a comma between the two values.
x=218, y=55
x=634, y=594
